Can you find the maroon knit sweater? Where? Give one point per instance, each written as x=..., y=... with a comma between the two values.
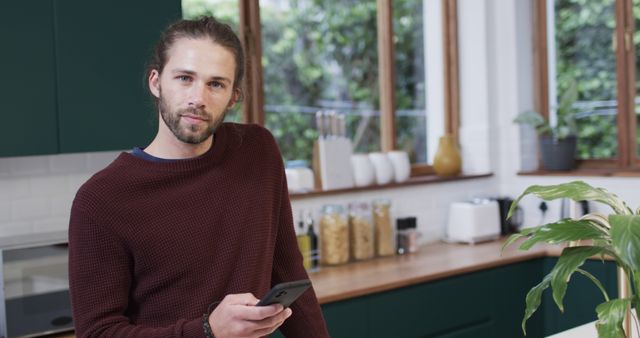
x=151, y=245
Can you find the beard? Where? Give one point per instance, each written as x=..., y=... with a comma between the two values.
x=189, y=133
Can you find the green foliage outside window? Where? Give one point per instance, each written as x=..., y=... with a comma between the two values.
x=584, y=33
x=323, y=54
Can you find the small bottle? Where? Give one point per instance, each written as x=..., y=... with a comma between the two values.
x=313, y=243
x=407, y=235
x=401, y=239
x=304, y=243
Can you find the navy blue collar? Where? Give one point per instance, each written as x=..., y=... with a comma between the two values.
x=139, y=152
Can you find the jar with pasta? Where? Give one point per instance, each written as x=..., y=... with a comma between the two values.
x=334, y=235
x=384, y=232
x=361, y=231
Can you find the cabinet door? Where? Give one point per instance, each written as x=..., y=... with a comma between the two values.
x=347, y=318
x=510, y=287
x=102, y=48
x=27, y=87
x=455, y=307
x=581, y=298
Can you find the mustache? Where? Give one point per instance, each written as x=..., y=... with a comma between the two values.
x=199, y=112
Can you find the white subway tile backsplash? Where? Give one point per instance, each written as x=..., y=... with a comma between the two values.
x=5, y=167
x=16, y=228
x=5, y=210
x=61, y=205
x=49, y=185
x=13, y=188
x=98, y=160
x=30, y=208
x=68, y=163
x=51, y=224
x=76, y=181
x=29, y=165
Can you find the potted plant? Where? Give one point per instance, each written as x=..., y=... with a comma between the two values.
x=557, y=143
x=615, y=236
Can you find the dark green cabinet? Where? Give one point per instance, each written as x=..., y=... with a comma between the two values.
x=510, y=285
x=488, y=303
x=102, y=49
x=581, y=298
x=456, y=306
x=356, y=311
x=27, y=87
x=75, y=78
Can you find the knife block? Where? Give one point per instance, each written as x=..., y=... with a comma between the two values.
x=332, y=163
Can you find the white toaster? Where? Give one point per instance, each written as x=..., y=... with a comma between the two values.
x=474, y=221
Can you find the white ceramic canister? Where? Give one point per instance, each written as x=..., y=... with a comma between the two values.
x=363, y=171
x=382, y=166
x=401, y=165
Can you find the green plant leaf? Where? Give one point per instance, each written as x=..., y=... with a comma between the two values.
x=535, y=120
x=610, y=317
x=570, y=260
x=625, y=236
x=577, y=191
x=511, y=239
x=564, y=230
x=523, y=233
x=533, y=299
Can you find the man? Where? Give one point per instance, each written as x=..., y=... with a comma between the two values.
x=198, y=219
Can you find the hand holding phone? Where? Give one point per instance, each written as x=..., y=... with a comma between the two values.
x=285, y=293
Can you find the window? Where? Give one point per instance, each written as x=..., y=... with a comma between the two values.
x=410, y=85
x=366, y=60
x=320, y=56
x=592, y=46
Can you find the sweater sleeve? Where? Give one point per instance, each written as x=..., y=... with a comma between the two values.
x=307, y=319
x=100, y=270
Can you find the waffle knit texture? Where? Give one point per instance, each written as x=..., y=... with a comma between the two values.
x=151, y=245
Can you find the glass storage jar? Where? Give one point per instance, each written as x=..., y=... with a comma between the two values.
x=334, y=235
x=385, y=237
x=361, y=231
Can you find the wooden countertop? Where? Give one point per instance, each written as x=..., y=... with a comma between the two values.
x=432, y=261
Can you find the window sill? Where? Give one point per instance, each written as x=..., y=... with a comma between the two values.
x=583, y=172
x=416, y=180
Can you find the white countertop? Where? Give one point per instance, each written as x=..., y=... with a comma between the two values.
x=587, y=331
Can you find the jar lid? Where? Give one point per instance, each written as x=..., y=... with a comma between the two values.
x=382, y=201
x=406, y=223
x=332, y=209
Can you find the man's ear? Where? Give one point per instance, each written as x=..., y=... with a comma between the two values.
x=154, y=83
x=235, y=97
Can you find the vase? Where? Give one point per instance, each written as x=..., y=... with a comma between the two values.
x=447, y=161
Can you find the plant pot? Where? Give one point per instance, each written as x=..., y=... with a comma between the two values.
x=558, y=154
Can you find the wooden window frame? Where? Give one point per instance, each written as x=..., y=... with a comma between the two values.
x=625, y=77
x=253, y=107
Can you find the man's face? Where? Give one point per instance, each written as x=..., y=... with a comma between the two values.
x=195, y=88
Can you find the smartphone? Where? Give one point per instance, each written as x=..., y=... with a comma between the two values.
x=285, y=293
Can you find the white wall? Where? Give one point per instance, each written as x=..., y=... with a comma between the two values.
x=36, y=191
x=36, y=194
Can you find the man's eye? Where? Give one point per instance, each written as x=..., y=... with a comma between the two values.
x=216, y=84
x=184, y=78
